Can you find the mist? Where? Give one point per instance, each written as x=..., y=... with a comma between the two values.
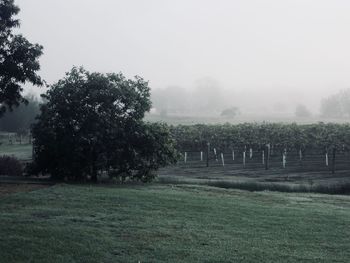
x=261, y=56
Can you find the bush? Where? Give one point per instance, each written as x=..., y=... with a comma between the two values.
x=10, y=166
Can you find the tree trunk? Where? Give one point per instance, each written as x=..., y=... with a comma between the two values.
x=94, y=173
x=94, y=167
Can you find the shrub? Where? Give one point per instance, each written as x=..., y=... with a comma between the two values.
x=10, y=166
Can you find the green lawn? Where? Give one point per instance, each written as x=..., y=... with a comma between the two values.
x=155, y=223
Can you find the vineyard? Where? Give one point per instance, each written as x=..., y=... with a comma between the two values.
x=283, y=136
x=313, y=153
x=267, y=144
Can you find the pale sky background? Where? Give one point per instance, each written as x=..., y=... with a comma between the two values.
x=299, y=49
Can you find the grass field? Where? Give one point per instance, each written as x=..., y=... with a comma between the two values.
x=164, y=223
x=309, y=175
x=20, y=151
x=276, y=179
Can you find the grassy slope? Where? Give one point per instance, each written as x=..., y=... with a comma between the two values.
x=172, y=224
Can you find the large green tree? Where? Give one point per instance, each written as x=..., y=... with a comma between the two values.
x=93, y=122
x=18, y=59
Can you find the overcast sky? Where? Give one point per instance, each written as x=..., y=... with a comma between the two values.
x=284, y=45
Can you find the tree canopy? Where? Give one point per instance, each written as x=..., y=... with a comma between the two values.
x=336, y=105
x=93, y=122
x=18, y=59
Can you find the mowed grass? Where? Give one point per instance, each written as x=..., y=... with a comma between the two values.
x=164, y=223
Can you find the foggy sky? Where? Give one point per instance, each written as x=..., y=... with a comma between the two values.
x=299, y=49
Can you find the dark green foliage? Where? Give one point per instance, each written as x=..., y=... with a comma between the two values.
x=289, y=136
x=21, y=117
x=92, y=122
x=148, y=148
x=10, y=166
x=18, y=59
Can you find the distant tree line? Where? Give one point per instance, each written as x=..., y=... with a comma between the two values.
x=207, y=98
x=336, y=105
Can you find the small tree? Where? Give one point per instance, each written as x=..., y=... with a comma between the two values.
x=230, y=112
x=93, y=122
x=302, y=112
x=18, y=59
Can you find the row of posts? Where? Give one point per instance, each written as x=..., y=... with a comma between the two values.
x=265, y=156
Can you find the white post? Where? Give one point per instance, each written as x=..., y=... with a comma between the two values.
x=263, y=156
x=201, y=156
x=222, y=159
x=284, y=158
x=185, y=157
x=243, y=158
x=233, y=155
x=216, y=157
x=300, y=155
x=250, y=153
x=326, y=158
